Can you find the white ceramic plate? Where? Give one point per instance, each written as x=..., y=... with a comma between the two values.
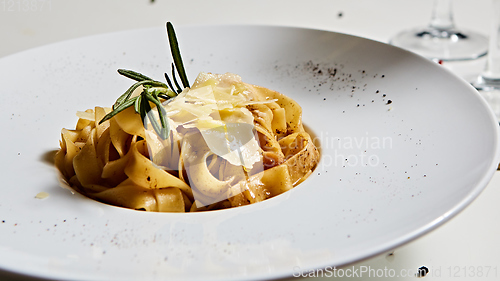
x=405, y=146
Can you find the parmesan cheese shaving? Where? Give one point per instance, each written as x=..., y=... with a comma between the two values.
x=42, y=195
x=86, y=115
x=216, y=106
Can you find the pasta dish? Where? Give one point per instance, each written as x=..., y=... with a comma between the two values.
x=222, y=143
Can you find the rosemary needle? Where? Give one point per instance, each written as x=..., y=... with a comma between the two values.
x=176, y=54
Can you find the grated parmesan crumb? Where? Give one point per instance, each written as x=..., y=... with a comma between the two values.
x=42, y=195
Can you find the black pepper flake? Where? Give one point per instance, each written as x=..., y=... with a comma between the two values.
x=389, y=101
x=324, y=98
x=340, y=14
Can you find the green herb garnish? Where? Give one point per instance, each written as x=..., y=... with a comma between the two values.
x=153, y=91
x=176, y=55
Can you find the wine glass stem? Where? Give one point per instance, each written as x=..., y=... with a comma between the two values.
x=442, y=16
x=492, y=70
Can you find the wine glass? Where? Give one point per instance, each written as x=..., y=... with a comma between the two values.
x=441, y=40
x=488, y=82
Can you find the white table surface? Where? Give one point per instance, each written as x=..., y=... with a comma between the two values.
x=458, y=250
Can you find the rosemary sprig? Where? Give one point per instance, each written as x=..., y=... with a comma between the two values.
x=153, y=91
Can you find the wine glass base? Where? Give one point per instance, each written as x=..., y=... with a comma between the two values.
x=489, y=89
x=445, y=45
x=485, y=84
x=492, y=97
